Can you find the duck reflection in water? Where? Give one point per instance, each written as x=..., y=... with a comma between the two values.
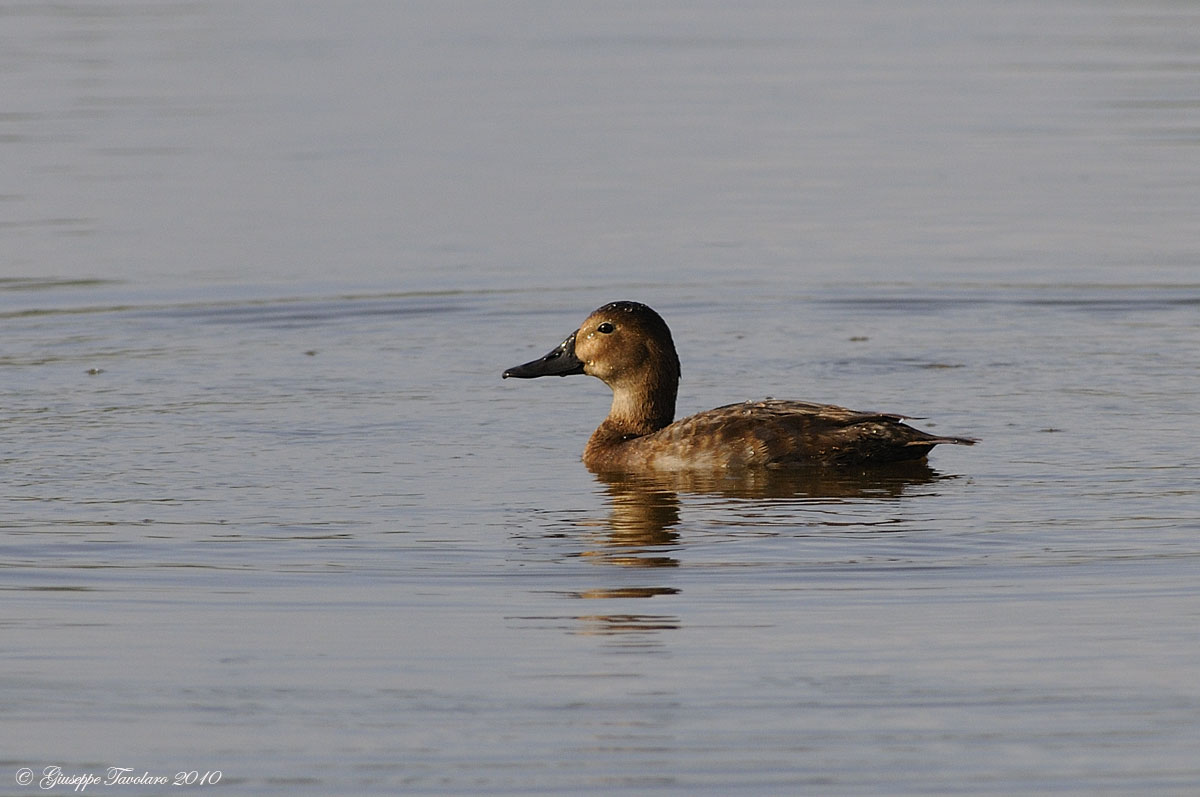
x=646, y=509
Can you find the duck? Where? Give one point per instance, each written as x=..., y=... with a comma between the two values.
x=629, y=347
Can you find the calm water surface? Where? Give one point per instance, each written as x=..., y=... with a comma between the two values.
x=268, y=508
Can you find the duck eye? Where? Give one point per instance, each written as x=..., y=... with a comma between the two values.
x=606, y=328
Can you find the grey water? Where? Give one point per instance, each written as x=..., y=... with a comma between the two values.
x=268, y=510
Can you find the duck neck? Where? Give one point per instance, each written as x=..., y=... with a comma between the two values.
x=640, y=410
x=643, y=402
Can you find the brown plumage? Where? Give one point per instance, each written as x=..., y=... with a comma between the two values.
x=629, y=347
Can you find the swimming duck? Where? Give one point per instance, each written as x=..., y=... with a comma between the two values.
x=629, y=347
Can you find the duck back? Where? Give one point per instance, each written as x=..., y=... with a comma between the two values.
x=770, y=434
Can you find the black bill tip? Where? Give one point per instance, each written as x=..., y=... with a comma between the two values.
x=561, y=361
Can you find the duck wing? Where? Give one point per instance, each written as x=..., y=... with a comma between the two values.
x=778, y=433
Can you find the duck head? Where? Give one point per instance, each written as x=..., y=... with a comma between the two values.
x=628, y=346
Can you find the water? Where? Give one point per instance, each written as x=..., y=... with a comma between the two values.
x=269, y=510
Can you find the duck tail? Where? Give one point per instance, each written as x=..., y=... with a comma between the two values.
x=937, y=441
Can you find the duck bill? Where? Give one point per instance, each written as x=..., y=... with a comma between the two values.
x=559, y=362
